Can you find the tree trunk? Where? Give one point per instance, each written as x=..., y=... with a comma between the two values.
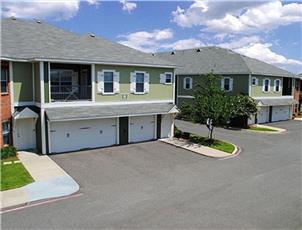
x=211, y=133
x=210, y=127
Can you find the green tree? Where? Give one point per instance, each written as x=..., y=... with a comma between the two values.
x=243, y=107
x=211, y=105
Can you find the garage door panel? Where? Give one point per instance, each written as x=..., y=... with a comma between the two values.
x=141, y=128
x=263, y=115
x=281, y=113
x=76, y=135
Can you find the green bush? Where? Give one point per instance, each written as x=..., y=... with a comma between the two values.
x=186, y=135
x=177, y=133
x=8, y=151
x=185, y=112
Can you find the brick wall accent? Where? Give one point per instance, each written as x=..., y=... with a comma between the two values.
x=5, y=106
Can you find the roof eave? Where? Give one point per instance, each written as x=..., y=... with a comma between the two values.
x=87, y=62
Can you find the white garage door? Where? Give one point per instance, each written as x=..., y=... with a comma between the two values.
x=281, y=113
x=141, y=128
x=263, y=115
x=76, y=135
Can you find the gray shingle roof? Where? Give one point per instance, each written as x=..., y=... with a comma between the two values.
x=221, y=61
x=276, y=101
x=31, y=40
x=103, y=111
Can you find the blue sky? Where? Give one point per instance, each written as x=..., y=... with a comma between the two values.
x=270, y=31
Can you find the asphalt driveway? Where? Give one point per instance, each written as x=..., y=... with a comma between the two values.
x=155, y=185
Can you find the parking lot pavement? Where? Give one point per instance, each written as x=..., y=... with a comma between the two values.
x=155, y=185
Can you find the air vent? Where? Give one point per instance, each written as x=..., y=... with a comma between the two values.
x=172, y=53
x=198, y=50
x=38, y=21
x=92, y=35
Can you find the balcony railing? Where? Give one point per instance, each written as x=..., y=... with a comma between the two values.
x=70, y=92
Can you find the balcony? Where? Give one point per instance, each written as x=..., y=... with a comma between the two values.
x=70, y=93
x=69, y=82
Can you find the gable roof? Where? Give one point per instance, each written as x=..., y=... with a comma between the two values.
x=221, y=61
x=31, y=40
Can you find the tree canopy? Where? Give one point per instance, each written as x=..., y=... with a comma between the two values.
x=213, y=107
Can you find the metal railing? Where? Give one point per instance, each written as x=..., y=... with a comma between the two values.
x=70, y=92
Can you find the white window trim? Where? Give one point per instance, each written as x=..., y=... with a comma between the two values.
x=256, y=81
x=269, y=85
x=231, y=84
x=191, y=83
x=275, y=85
x=103, y=72
x=143, y=72
x=168, y=83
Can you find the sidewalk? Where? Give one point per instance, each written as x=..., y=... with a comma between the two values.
x=197, y=148
x=50, y=181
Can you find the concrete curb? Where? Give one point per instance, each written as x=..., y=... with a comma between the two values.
x=51, y=181
x=202, y=152
x=278, y=130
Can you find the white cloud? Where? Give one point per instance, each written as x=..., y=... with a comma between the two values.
x=128, y=6
x=183, y=44
x=55, y=9
x=146, y=41
x=238, y=17
x=93, y=2
x=157, y=40
x=237, y=43
x=263, y=51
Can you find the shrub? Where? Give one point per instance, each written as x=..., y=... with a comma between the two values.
x=8, y=151
x=177, y=133
x=185, y=112
x=186, y=135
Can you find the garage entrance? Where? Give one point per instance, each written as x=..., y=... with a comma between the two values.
x=141, y=128
x=76, y=135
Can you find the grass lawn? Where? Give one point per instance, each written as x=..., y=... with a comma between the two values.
x=216, y=144
x=262, y=129
x=14, y=176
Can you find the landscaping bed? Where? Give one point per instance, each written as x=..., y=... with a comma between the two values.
x=215, y=144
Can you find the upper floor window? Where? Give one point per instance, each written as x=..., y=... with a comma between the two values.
x=108, y=82
x=227, y=84
x=188, y=82
x=266, y=85
x=139, y=82
x=277, y=85
x=4, y=80
x=254, y=81
x=166, y=78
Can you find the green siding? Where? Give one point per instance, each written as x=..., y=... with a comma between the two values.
x=256, y=91
x=181, y=101
x=37, y=82
x=240, y=84
x=23, y=83
x=157, y=90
